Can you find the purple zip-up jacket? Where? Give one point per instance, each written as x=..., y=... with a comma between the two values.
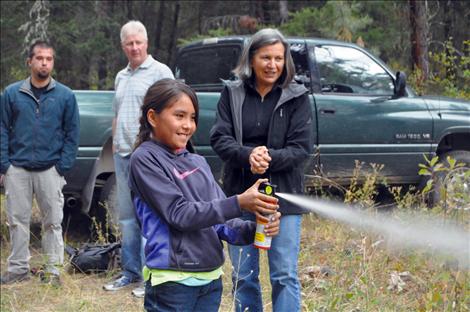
x=183, y=212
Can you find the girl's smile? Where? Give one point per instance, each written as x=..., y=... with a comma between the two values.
x=175, y=125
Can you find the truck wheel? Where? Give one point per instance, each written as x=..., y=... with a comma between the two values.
x=452, y=188
x=108, y=204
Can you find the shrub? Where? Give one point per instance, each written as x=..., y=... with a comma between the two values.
x=450, y=72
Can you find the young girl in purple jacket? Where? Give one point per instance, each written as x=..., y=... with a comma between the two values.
x=183, y=212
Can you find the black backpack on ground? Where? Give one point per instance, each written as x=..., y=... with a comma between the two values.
x=92, y=258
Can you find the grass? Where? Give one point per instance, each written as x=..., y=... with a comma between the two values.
x=362, y=271
x=359, y=279
x=341, y=268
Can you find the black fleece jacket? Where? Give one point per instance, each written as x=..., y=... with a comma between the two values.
x=290, y=141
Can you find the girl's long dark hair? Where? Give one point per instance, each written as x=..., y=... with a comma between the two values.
x=158, y=97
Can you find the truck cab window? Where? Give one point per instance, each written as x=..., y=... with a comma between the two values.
x=348, y=70
x=207, y=65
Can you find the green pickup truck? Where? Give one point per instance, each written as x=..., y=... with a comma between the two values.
x=362, y=112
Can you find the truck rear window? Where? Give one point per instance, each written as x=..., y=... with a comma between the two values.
x=207, y=65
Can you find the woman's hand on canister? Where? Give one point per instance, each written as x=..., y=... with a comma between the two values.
x=258, y=203
x=272, y=228
x=259, y=160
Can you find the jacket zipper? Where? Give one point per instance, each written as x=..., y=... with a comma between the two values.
x=36, y=101
x=35, y=125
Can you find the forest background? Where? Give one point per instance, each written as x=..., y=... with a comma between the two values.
x=429, y=40
x=341, y=268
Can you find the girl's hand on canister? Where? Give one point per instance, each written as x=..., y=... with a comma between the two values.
x=258, y=203
x=272, y=228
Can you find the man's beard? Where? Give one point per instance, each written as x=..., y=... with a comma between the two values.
x=43, y=76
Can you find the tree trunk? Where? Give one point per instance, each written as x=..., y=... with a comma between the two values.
x=448, y=26
x=130, y=13
x=101, y=8
x=36, y=27
x=266, y=12
x=146, y=12
x=419, y=35
x=158, y=30
x=447, y=19
x=174, y=32
x=283, y=11
x=200, y=8
x=257, y=7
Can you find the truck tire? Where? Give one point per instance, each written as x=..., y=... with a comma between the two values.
x=108, y=203
x=452, y=188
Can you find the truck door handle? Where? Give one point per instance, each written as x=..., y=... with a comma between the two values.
x=327, y=111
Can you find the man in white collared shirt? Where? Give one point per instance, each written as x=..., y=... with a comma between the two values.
x=131, y=84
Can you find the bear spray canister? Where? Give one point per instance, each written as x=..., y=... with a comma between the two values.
x=261, y=240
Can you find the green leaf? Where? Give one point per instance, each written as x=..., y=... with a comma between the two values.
x=424, y=172
x=428, y=186
x=434, y=160
x=451, y=161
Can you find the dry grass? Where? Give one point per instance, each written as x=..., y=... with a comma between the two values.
x=362, y=270
x=359, y=267
x=79, y=293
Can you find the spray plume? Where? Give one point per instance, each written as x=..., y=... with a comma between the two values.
x=416, y=231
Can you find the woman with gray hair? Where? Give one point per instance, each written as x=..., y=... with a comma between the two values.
x=263, y=130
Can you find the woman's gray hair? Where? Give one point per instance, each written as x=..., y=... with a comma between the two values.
x=262, y=38
x=133, y=28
